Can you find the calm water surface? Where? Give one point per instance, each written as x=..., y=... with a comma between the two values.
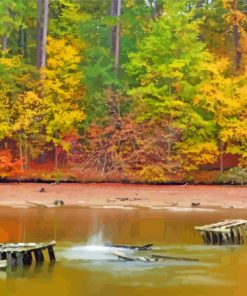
x=83, y=269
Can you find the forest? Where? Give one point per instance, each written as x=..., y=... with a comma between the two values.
x=150, y=91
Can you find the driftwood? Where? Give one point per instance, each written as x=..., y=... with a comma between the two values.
x=171, y=204
x=56, y=203
x=37, y=204
x=153, y=258
x=165, y=258
x=41, y=189
x=122, y=198
x=121, y=255
x=195, y=204
x=138, y=248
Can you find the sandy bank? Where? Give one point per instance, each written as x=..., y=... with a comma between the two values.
x=127, y=195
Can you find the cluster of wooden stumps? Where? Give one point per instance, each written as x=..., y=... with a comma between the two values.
x=22, y=254
x=229, y=232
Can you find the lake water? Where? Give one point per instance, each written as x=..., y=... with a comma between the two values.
x=84, y=267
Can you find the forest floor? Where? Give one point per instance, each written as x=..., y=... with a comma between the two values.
x=124, y=195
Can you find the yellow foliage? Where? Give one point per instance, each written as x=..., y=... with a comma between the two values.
x=193, y=156
x=152, y=173
x=62, y=88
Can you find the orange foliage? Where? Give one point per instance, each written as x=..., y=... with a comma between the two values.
x=8, y=165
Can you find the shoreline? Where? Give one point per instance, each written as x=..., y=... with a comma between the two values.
x=115, y=195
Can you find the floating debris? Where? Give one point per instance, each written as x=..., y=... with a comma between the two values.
x=147, y=247
x=152, y=258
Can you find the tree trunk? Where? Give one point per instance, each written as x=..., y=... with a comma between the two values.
x=221, y=157
x=19, y=41
x=25, y=44
x=44, y=37
x=155, y=9
x=56, y=157
x=56, y=151
x=39, y=35
x=236, y=35
x=4, y=42
x=26, y=155
x=116, y=12
x=236, y=46
x=21, y=153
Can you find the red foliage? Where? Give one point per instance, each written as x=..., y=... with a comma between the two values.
x=8, y=165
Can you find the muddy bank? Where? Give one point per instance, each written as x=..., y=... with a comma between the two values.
x=127, y=195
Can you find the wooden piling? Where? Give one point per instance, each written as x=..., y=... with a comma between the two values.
x=203, y=235
x=39, y=257
x=20, y=258
x=27, y=258
x=14, y=259
x=214, y=238
x=226, y=232
x=9, y=258
x=51, y=253
x=220, y=239
x=208, y=238
x=21, y=254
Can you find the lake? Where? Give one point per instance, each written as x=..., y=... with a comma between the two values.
x=85, y=267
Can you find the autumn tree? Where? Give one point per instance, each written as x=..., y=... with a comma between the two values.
x=168, y=69
x=63, y=92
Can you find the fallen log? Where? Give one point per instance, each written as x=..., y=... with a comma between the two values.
x=153, y=258
x=147, y=247
x=121, y=255
x=36, y=204
x=165, y=258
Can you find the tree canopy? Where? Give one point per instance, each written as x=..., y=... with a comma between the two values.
x=149, y=91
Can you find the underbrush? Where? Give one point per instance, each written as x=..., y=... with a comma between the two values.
x=151, y=175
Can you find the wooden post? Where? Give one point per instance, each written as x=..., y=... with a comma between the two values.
x=20, y=257
x=208, y=237
x=14, y=262
x=224, y=238
x=214, y=238
x=245, y=230
x=39, y=257
x=220, y=238
x=3, y=255
x=204, y=238
x=241, y=236
x=51, y=253
x=237, y=235
x=27, y=258
x=9, y=258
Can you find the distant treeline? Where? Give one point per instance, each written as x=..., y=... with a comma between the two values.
x=140, y=90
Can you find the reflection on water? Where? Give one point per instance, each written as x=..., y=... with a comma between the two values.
x=86, y=267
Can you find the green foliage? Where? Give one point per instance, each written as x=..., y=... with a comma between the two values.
x=234, y=175
x=168, y=68
x=175, y=104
